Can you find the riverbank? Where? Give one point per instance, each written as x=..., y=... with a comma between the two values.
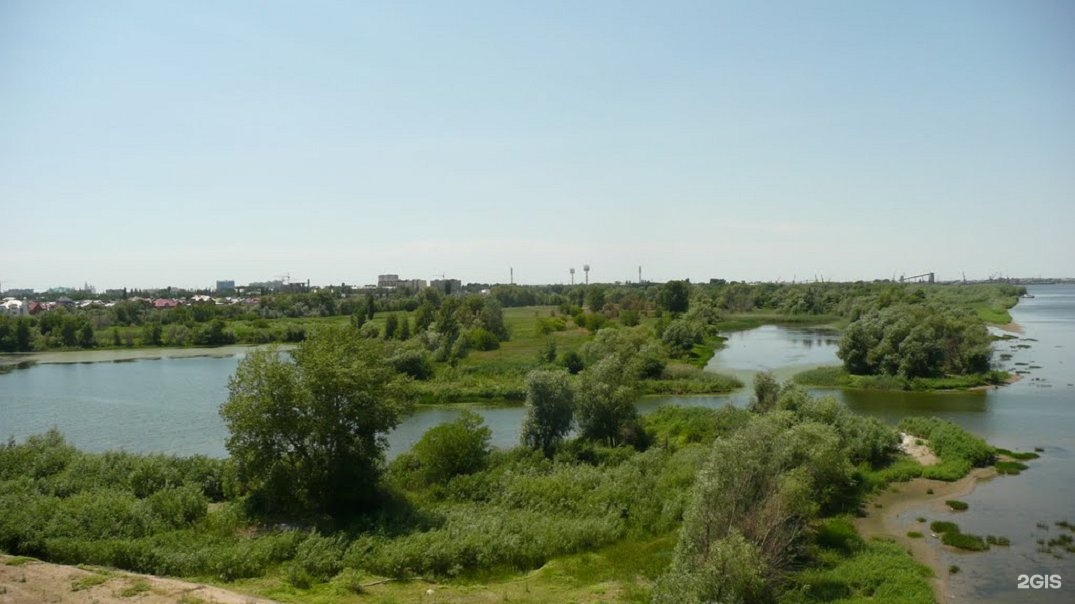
x=886, y=517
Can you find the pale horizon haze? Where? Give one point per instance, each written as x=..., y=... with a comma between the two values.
x=147, y=144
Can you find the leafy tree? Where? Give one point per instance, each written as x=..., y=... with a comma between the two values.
x=152, y=334
x=751, y=505
x=549, y=410
x=595, y=298
x=452, y=449
x=308, y=435
x=605, y=405
x=404, y=328
x=424, y=316
x=214, y=334
x=572, y=362
x=85, y=336
x=390, y=325
x=766, y=392
x=492, y=319
x=917, y=339
x=371, y=307
x=413, y=361
x=674, y=296
x=15, y=334
x=681, y=335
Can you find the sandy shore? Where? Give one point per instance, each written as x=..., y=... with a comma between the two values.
x=889, y=520
x=35, y=582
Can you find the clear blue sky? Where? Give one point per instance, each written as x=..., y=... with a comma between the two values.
x=176, y=143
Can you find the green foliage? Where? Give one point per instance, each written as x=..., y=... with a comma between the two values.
x=605, y=404
x=838, y=377
x=878, y=572
x=572, y=362
x=681, y=335
x=1021, y=456
x=766, y=392
x=15, y=334
x=759, y=488
x=452, y=449
x=674, y=296
x=413, y=362
x=317, y=558
x=549, y=410
x=479, y=338
x=548, y=354
x=675, y=426
x=1010, y=467
x=943, y=526
x=595, y=298
x=955, y=504
x=307, y=435
x=915, y=339
x=960, y=540
x=391, y=324
x=956, y=447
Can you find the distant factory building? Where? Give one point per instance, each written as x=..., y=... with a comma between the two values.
x=225, y=286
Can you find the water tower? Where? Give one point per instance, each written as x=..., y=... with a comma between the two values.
x=586, y=269
x=572, y=271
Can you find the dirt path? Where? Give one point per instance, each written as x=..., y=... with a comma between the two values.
x=32, y=582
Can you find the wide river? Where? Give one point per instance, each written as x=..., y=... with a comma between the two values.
x=170, y=405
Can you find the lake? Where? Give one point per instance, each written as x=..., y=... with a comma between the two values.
x=170, y=405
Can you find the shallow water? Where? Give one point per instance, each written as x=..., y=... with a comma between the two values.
x=170, y=405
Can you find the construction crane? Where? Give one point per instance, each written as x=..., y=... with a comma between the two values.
x=929, y=277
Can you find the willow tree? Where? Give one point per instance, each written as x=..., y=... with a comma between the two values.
x=307, y=433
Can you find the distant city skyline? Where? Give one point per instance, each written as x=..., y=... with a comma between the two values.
x=178, y=143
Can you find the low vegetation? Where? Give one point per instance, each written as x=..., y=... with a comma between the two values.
x=958, y=450
x=838, y=377
x=780, y=479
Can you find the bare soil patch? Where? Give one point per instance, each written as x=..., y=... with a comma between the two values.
x=34, y=582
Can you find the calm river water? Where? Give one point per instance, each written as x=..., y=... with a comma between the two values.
x=170, y=405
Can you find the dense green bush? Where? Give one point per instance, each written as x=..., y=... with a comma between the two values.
x=915, y=339
x=451, y=449
x=675, y=426
x=950, y=442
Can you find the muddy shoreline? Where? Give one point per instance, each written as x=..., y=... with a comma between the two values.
x=887, y=520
